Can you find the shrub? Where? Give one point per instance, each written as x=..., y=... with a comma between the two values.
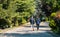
x=54, y=23
x=4, y=23
x=20, y=21
x=23, y=21
x=53, y=14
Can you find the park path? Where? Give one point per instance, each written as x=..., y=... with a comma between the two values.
x=26, y=31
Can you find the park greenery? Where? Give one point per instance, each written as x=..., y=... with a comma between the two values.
x=16, y=12
x=52, y=12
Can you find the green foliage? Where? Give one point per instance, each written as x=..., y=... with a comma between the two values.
x=53, y=14
x=4, y=23
x=54, y=23
x=46, y=19
x=54, y=26
x=52, y=6
x=23, y=21
x=13, y=10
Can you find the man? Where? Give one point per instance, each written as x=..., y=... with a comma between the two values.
x=37, y=23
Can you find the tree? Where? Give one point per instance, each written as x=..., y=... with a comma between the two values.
x=11, y=9
x=54, y=21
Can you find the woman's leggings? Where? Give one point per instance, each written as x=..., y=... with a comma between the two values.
x=32, y=25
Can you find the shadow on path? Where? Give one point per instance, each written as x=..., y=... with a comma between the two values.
x=39, y=26
x=38, y=34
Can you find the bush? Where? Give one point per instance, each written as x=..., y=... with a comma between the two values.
x=20, y=21
x=4, y=23
x=23, y=21
x=13, y=11
x=54, y=23
x=53, y=14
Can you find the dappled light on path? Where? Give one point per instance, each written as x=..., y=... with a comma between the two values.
x=26, y=31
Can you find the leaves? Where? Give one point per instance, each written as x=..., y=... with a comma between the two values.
x=16, y=8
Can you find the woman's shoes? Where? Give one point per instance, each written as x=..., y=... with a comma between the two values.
x=33, y=29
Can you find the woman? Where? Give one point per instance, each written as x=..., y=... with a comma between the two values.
x=32, y=23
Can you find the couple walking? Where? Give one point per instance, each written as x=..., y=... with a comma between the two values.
x=33, y=21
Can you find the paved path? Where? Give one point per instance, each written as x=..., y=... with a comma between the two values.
x=27, y=32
